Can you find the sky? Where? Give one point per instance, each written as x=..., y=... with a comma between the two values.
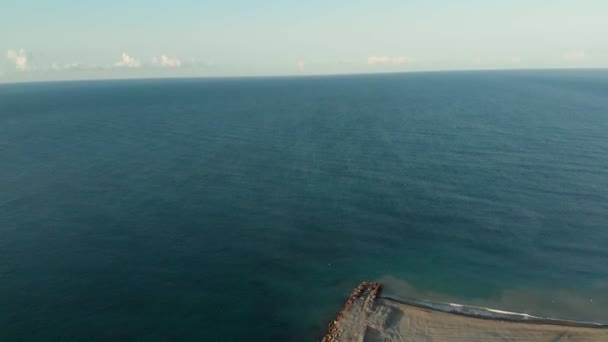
x=86, y=39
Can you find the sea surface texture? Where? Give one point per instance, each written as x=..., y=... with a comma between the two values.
x=248, y=209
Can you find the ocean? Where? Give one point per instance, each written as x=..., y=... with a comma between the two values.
x=249, y=208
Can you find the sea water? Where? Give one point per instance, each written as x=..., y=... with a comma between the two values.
x=248, y=209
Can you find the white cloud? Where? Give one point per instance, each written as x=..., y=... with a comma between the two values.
x=128, y=61
x=18, y=57
x=386, y=60
x=574, y=56
x=165, y=61
x=300, y=65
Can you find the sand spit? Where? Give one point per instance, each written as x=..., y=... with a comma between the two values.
x=368, y=317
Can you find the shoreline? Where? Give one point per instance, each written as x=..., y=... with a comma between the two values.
x=369, y=316
x=492, y=314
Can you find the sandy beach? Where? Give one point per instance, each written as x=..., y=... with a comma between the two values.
x=393, y=321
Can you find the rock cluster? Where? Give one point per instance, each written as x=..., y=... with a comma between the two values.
x=363, y=297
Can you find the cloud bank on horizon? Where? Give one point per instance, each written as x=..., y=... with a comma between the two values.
x=19, y=58
x=128, y=63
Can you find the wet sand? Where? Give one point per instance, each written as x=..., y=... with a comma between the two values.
x=580, y=304
x=367, y=318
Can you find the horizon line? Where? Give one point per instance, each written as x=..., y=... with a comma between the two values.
x=278, y=76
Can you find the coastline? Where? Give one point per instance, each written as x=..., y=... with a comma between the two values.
x=369, y=316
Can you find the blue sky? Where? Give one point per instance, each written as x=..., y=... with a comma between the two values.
x=42, y=40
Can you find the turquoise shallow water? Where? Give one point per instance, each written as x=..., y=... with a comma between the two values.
x=231, y=209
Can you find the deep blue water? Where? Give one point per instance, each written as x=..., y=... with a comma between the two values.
x=233, y=209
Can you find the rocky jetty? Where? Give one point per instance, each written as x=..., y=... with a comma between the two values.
x=351, y=321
